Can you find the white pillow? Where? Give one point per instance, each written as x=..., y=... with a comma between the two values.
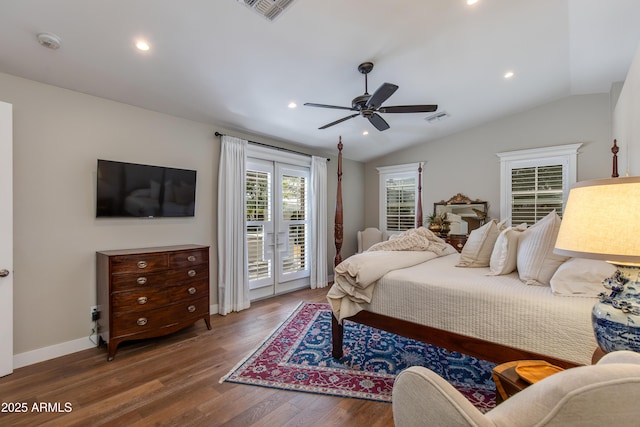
x=581, y=277
x=477, y=250
x=505, y=251
x=536, y=261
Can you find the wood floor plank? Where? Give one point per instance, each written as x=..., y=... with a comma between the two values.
x=174, y=381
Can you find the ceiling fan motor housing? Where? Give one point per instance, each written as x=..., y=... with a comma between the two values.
x=359, y=102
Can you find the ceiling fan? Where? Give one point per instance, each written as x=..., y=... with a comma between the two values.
x=370, y=105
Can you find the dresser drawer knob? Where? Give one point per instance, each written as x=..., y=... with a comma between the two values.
x=142, y=264
x=142, y=321
x=191, y=273
x=141, y=280
x=191, y=308
x=192, y=290
x=191, y=258
x=142, y=300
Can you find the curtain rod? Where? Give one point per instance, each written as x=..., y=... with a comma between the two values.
x=274, y=147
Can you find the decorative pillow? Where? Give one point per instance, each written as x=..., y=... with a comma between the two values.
x=505, y=251
x=536, y=261
x=581, y=277
x=477, y=251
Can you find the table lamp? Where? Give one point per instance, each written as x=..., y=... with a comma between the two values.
x=602, y=221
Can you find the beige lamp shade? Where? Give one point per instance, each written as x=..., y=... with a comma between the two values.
x=602, y=221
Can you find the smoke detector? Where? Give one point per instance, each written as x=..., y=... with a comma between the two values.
x=48, y=40
x=269, y=9
x=437, y=117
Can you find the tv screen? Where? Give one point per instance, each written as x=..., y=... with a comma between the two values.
x=134, y=190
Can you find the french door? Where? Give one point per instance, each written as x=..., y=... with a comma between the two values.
x=277, y=212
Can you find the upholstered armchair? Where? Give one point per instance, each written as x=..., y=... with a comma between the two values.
x=369, y=237
x=605, y=394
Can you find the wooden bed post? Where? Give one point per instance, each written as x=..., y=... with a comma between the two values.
x=338, y=226
x=614, y=150
x=419, y=207
x=338, y=234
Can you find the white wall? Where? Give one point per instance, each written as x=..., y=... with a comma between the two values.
x=467, y=163
x=626, y=121
x=58, y=135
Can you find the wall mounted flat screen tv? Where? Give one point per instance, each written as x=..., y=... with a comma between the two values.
x=145, y=191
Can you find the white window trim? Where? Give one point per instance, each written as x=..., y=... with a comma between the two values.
x=384, y=172
x=565, y=155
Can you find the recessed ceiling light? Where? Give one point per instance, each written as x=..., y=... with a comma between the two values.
x=470, y=2
x=142, y=45
x=365, y=133
x=509, y=74
x=292, y=104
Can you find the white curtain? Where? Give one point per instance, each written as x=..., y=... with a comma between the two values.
x=233, y=275
x=319, y=277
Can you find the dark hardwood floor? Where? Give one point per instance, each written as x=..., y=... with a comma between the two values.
x=174, y=381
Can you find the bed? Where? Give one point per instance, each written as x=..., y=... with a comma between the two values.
x=494, y=317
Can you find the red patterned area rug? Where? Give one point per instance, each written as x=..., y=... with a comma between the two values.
x=297, y=356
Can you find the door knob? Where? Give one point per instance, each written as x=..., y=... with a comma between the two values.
x=4, y=273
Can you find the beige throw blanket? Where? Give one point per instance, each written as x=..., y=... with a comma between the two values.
x=354, y=277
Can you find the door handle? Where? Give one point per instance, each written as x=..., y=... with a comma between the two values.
x=4, y=272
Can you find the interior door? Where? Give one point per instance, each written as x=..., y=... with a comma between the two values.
x=6, y=239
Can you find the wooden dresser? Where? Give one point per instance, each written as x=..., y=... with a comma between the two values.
x=457, y=241
x=144, y=293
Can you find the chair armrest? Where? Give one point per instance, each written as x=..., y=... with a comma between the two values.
x=421, y=397
x=621, y=356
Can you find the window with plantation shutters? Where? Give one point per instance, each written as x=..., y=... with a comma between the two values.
x=536, y=191
x=398, y=197
x=401, y=203
x=535, y=182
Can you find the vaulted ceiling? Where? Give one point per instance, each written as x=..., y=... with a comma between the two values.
x=221, y=62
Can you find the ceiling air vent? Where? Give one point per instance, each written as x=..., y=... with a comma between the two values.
x=437, y=117
x=269, y=9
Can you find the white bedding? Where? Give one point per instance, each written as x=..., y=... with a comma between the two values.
x=499, y=309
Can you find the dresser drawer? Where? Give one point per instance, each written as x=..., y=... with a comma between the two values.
x=141, y=280
x=195, y=272
x=145, y=299
x=139, y=263
x=188, y=258
x=133, y=322
x=148, y=280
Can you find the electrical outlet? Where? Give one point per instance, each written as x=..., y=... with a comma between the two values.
x=95, y=314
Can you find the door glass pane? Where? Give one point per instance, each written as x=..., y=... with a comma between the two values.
x=258, y=201
x=296, y=259
x=293, y=198
x=258, y=215
x=294, y=211
x=259, y=267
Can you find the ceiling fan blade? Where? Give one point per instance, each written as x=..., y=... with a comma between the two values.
x=339, y=121
x=336, y=107
x=409, y=109
x=381, y=95
x=378, y=122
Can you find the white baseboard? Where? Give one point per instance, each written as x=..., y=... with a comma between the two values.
x=51, y=352
x=62, y=349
